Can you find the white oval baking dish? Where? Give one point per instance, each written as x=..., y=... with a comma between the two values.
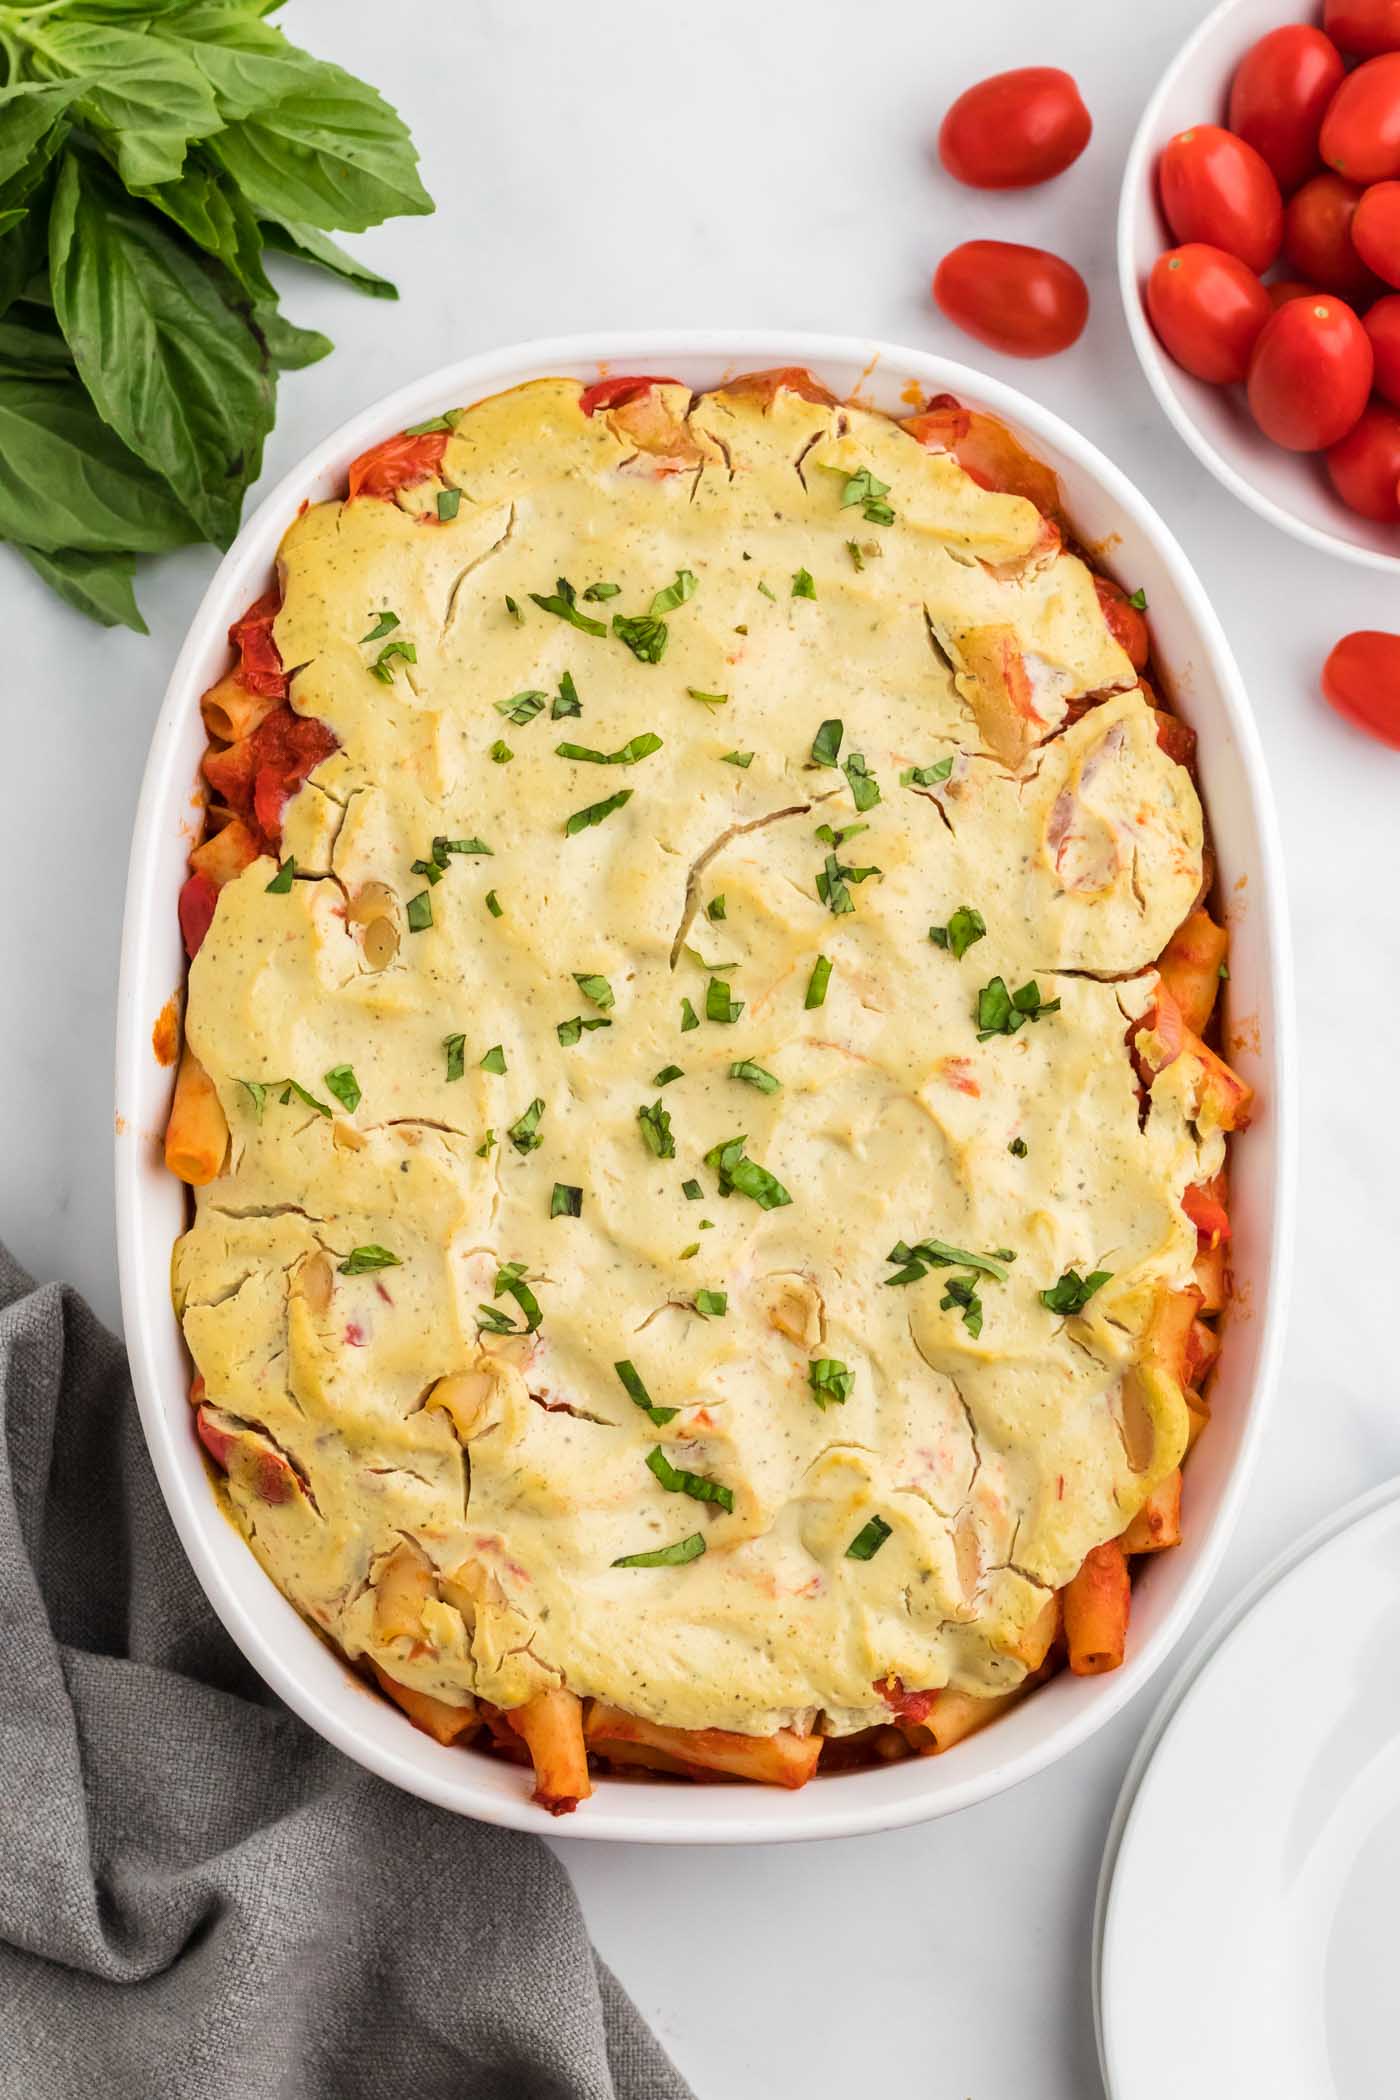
x=1111, y=516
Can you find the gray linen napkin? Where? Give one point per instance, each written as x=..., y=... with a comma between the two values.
x=198, y=1897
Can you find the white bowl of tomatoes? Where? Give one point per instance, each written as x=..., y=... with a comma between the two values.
x=1259, y=262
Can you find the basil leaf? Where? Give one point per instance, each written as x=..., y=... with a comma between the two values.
x=341, y=1081
x=830, y=1381
x=291, y=349
x=718, y=1004
x=716, y=909
x=826, y=744
x=596, y=592
x=1000, y=1012
x=865, y=788
x=742, y=759
x=510, y=1283
x=584, y=819
x=674, y=594
x=1138, y=600
x=692, y=1191
x=456, y=1048
x=281, y=883
x=916, y=1261
x=635, y=1390
x=627, y=755
x=494, y=1060
x=470, y=847
x=361, y=1260
x=744, y=1068
x=678, y=1480
x=712, y=1305
x=493, y=905
x=926, y=776
x=644, y=635
x=964, y=928
x=868, y=1540
x=96, y=584
x=665, y=1556
x=68, y=484
x=655, y=1123
x=32, y=350
x=595, y=988
x=449, y=502
x=524, y=1131
x=1018, y=1148
x=309, y=245
x=293, y=1086
x=708, y=699
x=500, y=753
x=665, y=1076
x=566, y=701
x=818, y=982
x=29, y=113
x=144, y=97
x=1073, y=1291
x=802, y=585
x=169, y=363
x=566, y=1201
x=570, y=1032
x=521, y=707
x=257, y=1094
x=385, y=624
x=746, y=1176
x=562, y=605
x=689, y=1018
x=419, y=912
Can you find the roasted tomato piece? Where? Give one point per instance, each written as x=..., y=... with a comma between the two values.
x=256, y=775
x=259, y=664
x=198, y=898
x=611, y=393
x=397, y=463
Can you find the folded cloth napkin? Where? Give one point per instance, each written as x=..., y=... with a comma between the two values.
x=198, y=1897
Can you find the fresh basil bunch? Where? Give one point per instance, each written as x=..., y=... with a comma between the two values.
x=149, y=154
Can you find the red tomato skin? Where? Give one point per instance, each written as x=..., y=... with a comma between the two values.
x=1310, y=374
x=1375, y=230
x=1317, y=235
x=1124, y=622
x=259, y=667
x=1364, y=466
x=1360, y=135
x=1207, y=308
x=1361, y=679
x=1015, y=129
x=1382, y=326
x=199, y=896
x=1023, y=301
x=613, y=393
x=1363, y=28
x=1279, y=95
x=1214, y=188
x=1286, y=288
x=397, y=463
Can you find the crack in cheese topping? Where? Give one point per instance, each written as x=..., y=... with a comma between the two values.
x=375, y=1422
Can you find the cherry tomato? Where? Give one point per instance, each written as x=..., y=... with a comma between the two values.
x=1360, y=135
x=1375, y=230
x=1207, y=309
x=1015, y=129
x=1363, y=28
x=1361, y=679
x=1382, y=325
x=1024, y=301
x=1317, y=235
x=1285, y=288
x=1310, y=374
x=1364, y=466
x=1124, y=621
x=1215, y=188
x=1280, y=91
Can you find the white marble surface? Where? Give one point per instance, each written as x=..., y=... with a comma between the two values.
x=767, y=163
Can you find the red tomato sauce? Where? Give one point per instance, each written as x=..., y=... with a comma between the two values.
x=259, y=666
x=256, y=776
x=198, y=898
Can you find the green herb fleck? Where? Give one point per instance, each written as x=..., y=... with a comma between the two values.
x=718, y=1004
x=691, y=1190
x=385, y=624
x=830, y=1381
x=916, y=1261
x=712, y=1305
x=360, y=1260
x=294, y=1086
x=857, y=558
x=864, y=787
x=742, y=759
x=632, y=1385
x=1138, y=601
x=863, y=488
x=754, y=1075
x=483, y=1150
x=707, y=699
x=500, y=753
x=562, y=605
x=571, y=1032
x=383, y=666
x=1073, y=1291
x=675, y=1556
x=566, y=701
x=745, y=1176
x=566, y=1202
x=419, y=912
x=675, y=594
x=493, y=905
x=514, y=610
x=341, y=1081
x=826, y=744
x=832, y=881
x=1018, y=1148
x=494, y=1060
x=926, y=776
x=281, y=882
x=802, y=585
x=868, y=1540
x=689, y=1018
x=964, y=927
x=524, y=1131
x=716, y=908
x=417, y=430
x=521, y=707
x=1000, y=1012
x=257, y=1094
x=626, y=755
x=449, y=502
x=456, y=1048
x=961, y=1293
x=818, y=982
x=595, y=989
x=655, y=1123
x=767, y=593
x=597, y=592
x=584, y=819
x=644, y=635
x=666, y=1075
x=678, y=1481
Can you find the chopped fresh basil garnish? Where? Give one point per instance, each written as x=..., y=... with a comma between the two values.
x=419, y=912
x=510, y=1283
x=341, y=1081
x=383, y=666
x=1017, y=1148
x=644, y=635
x=655, y=1124
x=689, y=1018
x=802, y=585
x=572, y=1031
x=632, y=1385
x=493, y=905
x=626, y=755
x=524, y=1131
x=666, y=1075
x=1000, y=1012
x=818, y=982
x=865, y=788
x=456, y=1048
x=712, y=969
x=566, y=1202
x=584, y=819
x=868, y=1540
x=430, y=868
x=926, y=776
x=597, y=592
x=826, y=744
x=500, y=753
x=857, y=558
x=712, y=1305
x=746, y=1176
x=1073, y=1291
x=417, y=430
x=916, y=1261
x=294, y=1086
x=496, y=1322
x=716, y=908
x=595, y=989
x=965, y=926
x=665, y=1556
x=961, y=1292
x=830, y=1381
x=360, y=1260
x=385, y=624
x=282, y=881
x=742, y=759
x=561, y=604
x=674, y=594
x=831, y=884
x=863, y=488
x=449, y=502
x=514, y=610
x=678, y=1481
x=1138, y=601
x=443, y=846
x=767, y=593
x=521, y=707
x=708, y=699
x=691, y=1190
x=484, y=1149
x=257, y=1093
x=494, y=1060
x=829, y=837
x=718, y=1004
x=566, y=701
x=744, y=1068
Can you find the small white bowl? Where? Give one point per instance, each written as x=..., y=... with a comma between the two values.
x=1107, y=510
x=1287, y=488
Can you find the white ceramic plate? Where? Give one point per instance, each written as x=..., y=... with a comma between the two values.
x=1248, y=1929
x=1108, y=512
x=1287, y=489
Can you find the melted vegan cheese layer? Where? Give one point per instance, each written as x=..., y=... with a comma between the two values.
x=995, y=1459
